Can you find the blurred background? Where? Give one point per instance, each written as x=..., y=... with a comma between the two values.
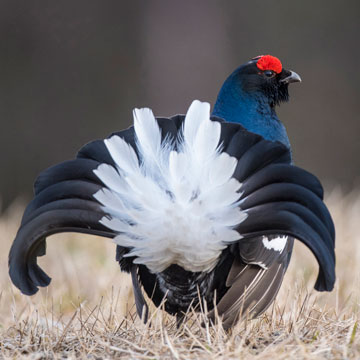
x=71, y=71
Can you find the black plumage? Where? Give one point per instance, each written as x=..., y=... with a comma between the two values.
x=279, y=198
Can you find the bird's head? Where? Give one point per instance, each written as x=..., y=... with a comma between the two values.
x=265, y=75
x=249, y=96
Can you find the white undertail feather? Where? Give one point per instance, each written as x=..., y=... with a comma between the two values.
x=178, y=202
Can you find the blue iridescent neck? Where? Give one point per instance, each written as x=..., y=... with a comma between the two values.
x=250, y=109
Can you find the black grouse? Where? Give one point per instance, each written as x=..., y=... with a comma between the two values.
x=200, y=206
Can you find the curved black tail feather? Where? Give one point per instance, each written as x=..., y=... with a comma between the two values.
x=278, y=197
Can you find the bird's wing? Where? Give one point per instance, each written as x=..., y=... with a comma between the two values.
x=251, y=288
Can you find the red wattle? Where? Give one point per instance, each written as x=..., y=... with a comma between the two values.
x=268, y=62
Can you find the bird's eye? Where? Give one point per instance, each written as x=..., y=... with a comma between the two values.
x=269, y=73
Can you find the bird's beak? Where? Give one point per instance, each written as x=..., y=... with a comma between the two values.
x=293, y=77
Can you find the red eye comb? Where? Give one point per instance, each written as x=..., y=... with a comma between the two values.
x=268, y=62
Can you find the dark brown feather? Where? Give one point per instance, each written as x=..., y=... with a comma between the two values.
x=252, y=289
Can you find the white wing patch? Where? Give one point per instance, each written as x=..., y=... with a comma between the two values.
x=277, y=244
x=172, y=206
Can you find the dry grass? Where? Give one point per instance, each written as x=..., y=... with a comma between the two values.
x=88, y=309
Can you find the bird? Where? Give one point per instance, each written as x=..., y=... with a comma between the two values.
x=203, y=207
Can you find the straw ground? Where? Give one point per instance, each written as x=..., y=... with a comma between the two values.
x=88, y=310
